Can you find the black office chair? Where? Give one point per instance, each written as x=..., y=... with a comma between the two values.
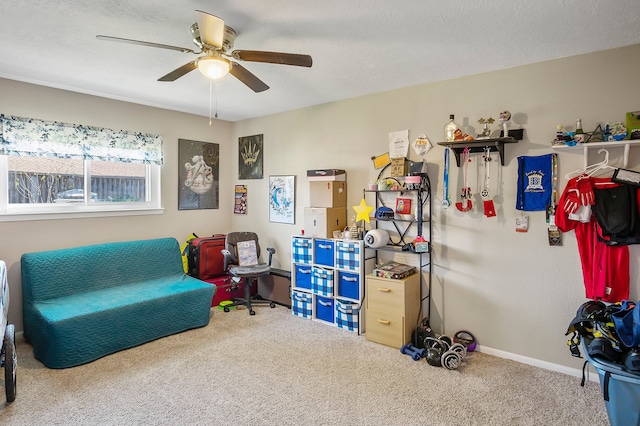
x=236, y=266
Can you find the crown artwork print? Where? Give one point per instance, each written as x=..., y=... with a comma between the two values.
x=250, y=157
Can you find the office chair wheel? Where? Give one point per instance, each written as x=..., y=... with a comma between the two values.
x=252, y=312
x=272, y=305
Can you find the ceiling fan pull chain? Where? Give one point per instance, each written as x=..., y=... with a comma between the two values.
x=211, y=93
x=210, y=102
x=216, y=93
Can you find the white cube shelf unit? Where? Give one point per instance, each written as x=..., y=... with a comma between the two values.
x=328, y=280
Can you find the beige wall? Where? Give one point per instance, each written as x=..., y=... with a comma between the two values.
x=512, y=290
x=51, y=104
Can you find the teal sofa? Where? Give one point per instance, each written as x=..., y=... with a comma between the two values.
x=82, y=303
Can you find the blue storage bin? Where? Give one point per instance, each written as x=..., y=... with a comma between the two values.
x=301, y=250
x=348, y=285
x=301, y=304
x=620, y=390
x=347, y=315
x=303, y=277
x=348, y=255
x=322, y=281
x=324, y=309
x=324, y=252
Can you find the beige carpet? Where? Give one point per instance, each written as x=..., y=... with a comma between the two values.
x=276, y=369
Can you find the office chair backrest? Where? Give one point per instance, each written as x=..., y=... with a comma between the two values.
x=232, y=240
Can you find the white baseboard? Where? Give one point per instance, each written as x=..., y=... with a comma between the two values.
x=591, y=374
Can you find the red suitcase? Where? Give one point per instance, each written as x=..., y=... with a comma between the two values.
x=227, y=289
x=205, y=257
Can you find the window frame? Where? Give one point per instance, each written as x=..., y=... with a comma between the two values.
x=42, y=211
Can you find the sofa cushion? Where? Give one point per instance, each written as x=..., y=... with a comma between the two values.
x=58, y=273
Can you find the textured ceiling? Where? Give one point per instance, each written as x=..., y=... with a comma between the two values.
x=358, y=46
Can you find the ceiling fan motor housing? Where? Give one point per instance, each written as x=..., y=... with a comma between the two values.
x=227, y=42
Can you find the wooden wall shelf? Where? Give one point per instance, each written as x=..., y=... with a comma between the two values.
x=479, y=145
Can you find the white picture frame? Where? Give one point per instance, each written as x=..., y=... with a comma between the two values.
x=282, y=191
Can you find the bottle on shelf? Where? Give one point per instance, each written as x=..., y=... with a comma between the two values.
x=579, y=135
x=450, y=128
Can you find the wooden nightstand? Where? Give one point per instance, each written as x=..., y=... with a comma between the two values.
x=392, y=308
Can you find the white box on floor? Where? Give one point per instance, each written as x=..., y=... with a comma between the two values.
x=322, y=221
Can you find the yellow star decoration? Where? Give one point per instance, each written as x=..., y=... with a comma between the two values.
x=363, y=211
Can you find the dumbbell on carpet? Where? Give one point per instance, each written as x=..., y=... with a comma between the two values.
x=414, y=352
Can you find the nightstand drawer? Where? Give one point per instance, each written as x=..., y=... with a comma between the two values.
x=386, y=292
x=385, y=327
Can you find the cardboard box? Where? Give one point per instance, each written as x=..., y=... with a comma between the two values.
x=322, y=221
x=326, y=175
x=328, y=194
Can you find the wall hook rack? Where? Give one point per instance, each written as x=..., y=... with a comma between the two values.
x=477, y=146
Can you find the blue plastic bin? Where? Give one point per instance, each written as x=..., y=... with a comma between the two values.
x=620, y=390
x=322, y=281
x=347, y=314
x=324, y=309
x=301, y=304
x=303, y=276
x=349, y=285
x=323, y=252
x=301, y=250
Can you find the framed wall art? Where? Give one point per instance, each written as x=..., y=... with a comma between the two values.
x=282, y=194
x=240, y=200
x=198, y=175
x=250, y=157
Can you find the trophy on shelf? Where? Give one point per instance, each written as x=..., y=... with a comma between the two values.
x=486, y=131
x=504, y=117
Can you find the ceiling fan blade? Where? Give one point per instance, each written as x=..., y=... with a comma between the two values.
x=144, y=43
x=273, y=57
x=211, y=29
x=179, y=72
x=248, y=78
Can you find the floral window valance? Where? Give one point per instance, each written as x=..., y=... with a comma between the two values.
x=38, y=138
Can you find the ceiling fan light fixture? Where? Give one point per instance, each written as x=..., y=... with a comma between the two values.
x=214, y=67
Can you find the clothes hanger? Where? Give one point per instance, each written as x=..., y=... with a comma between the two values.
x=591, y=168
x=603, y=165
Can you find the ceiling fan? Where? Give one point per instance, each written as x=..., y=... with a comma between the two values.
x=215, y=40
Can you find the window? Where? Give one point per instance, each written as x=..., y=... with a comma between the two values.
x=56, y=168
